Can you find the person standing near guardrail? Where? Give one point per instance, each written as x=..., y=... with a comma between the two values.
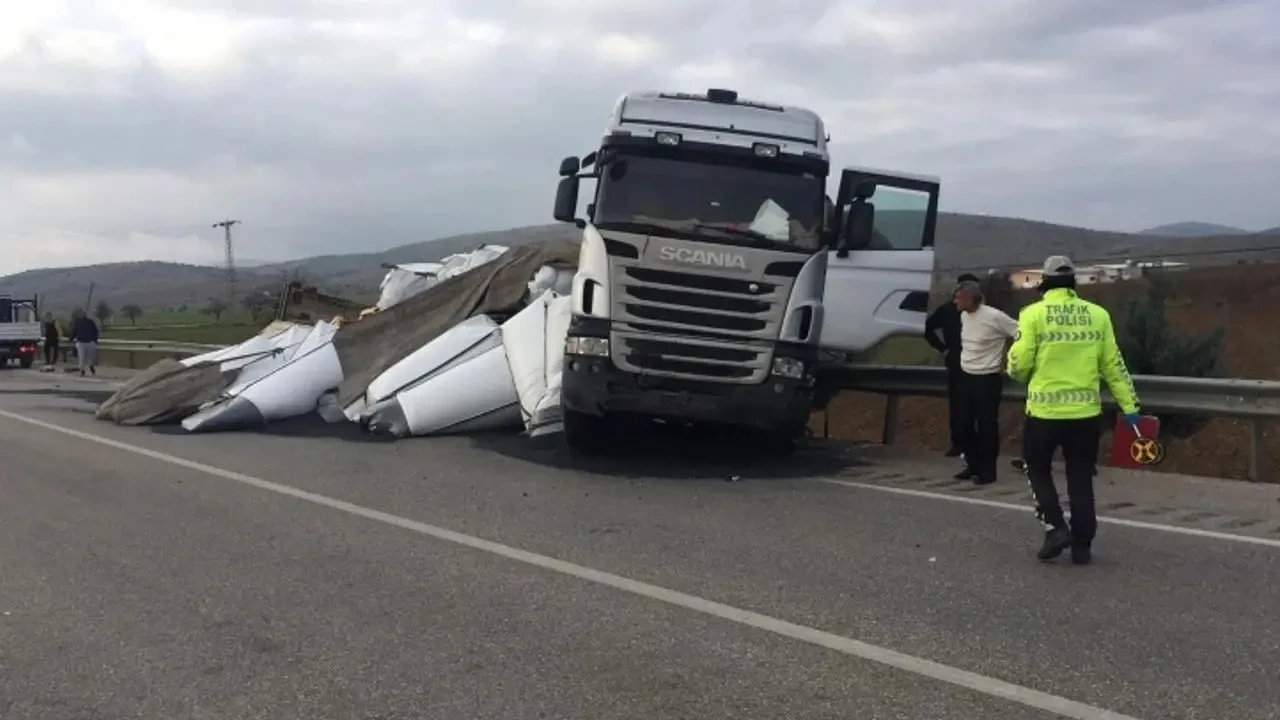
x=945, y=319
x=1064, y=351
x=985, y=332
x=52, y=337
x=84, y=333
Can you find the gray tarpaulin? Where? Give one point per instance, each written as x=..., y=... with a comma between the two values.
x=369, y=347
x=166, y=392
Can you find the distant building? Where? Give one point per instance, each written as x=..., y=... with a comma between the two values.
x=1101, y=273
x=1135, y=269
x=1085, y=275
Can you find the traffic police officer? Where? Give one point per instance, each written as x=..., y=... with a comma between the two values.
x=1065, y=349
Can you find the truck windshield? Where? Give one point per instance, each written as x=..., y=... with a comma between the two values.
x=727, y=202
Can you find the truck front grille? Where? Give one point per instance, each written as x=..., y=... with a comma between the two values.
x=694, y=326
x=688, y=357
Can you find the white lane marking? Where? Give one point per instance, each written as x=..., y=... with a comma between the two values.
x=908, y=663
x=1125, y=522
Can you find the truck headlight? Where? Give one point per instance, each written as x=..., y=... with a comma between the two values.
x=593, y=346
x=788, y=368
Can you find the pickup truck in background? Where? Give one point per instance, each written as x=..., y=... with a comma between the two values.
x=20, y=331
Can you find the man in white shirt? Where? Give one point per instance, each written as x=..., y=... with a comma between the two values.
x=985, y=333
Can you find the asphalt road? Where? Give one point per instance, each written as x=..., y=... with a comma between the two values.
x=306, y=572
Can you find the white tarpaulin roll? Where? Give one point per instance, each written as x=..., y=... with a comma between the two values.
x=287, y=390
x=546, y=412
x=406, y=280
x=462, y=262
x=281, y=337
x=455, y=345
x=558, y=280
x=472, y=393
x=534, y=340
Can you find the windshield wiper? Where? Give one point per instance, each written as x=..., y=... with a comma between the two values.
x=695, y=228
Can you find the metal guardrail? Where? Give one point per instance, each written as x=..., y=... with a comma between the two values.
x=157, y=346
x=175, y=350
x=1254, y=400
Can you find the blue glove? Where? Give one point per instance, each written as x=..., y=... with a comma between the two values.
x=1131, y=419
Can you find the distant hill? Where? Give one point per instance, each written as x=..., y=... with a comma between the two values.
x=964, y=242
x=148, y=284
x=1270, y=231
x=1193, y=229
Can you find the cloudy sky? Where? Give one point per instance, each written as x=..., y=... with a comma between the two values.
x=128, y=126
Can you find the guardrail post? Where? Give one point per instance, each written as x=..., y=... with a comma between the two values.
x=1255, y=450
x=890, y=431
x=132, y=360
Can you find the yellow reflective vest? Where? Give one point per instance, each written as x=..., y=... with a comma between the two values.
x=1064, y=350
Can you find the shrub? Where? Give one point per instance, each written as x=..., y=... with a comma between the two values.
x=1152, y=346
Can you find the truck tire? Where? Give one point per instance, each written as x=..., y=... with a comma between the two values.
x=26, y=363
x=584, y=434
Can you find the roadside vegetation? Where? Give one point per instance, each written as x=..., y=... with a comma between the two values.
x=213, y=323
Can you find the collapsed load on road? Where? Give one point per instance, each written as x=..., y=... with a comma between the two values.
x=171, y=390
x=440, y=360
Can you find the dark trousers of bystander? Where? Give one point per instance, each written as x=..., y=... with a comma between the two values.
x=980, y=401
x=955, y=404
x=50, y=351
x=1079, y=442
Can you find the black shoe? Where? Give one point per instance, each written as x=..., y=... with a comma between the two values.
x=954, y=451
x=93, y=369
x=1055, y=541
x=965, y=474
x=1081, y=554
x=1019, y=464
x=984, y=479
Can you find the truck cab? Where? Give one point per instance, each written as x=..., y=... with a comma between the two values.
x=714, y=266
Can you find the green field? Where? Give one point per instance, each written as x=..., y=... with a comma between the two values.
x=222, y=333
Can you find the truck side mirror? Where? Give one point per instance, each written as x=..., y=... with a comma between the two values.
x=569, y=166
x=865, y=189
x=566, y=209
x=856, y=228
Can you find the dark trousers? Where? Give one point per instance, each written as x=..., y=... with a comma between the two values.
x=955, y=405
x=50, y=351
x=980, y=402
x=1079, y=442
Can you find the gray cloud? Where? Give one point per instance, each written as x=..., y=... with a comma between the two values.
x=333, y=126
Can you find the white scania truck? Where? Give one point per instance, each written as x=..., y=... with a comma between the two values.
x=718, y=282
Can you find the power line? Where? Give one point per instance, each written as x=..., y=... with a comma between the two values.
x=231, y=260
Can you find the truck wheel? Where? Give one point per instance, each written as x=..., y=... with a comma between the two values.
x=584, y=434
x=26, y=362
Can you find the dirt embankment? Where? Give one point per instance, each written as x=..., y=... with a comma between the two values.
x=1241, y=298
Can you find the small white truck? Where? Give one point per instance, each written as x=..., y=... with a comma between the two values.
x=20, y=331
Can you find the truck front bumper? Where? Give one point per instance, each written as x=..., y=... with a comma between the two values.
x=593, y=385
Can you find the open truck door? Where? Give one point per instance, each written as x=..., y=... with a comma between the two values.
x=878, y=282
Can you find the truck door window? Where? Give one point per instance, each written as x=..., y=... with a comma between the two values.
x=900, y=218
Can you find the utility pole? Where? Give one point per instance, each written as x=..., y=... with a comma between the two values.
x=231, y=261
